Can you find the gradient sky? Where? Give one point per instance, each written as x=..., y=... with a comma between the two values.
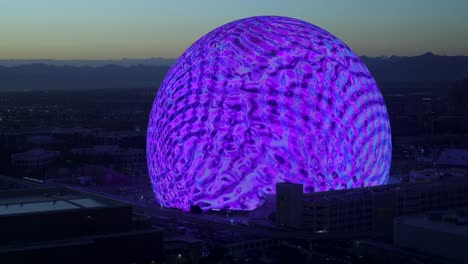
x=113, y=29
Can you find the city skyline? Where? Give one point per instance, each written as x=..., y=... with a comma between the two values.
x=111, y=30
x=211, y=131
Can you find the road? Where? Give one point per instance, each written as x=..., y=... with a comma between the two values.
x=169, y=216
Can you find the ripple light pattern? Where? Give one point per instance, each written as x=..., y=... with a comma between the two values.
x=264, y=100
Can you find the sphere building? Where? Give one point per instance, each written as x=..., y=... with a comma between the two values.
x=263, y=100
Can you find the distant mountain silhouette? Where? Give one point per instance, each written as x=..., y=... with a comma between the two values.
x=93, y=63
x=426, y=67
x=48, y=77
x=128, y=73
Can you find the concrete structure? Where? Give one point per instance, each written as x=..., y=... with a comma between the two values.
x=443, y=234
x=34, y=159
x=289, y=204
x=89, y=228
x=372, y=210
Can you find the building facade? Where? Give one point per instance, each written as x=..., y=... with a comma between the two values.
x=289, y=204
x=34, y=159
x=443, y=234
x=372, y=209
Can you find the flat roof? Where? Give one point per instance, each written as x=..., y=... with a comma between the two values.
x=35, y=207
x=453, y=180
x=50, y=199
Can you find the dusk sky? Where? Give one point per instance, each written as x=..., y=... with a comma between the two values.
x=113, y=29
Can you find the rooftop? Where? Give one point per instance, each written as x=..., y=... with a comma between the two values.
x=399, y=187
x=49, y=199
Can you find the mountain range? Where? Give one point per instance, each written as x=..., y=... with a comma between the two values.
x=425, y=67
x=128, y=73
x=125, y=62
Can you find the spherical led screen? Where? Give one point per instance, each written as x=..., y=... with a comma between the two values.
x=264, y=100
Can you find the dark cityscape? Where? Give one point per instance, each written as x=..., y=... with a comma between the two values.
x=181, y=158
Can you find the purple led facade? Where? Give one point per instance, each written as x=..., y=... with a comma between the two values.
x=264, y=100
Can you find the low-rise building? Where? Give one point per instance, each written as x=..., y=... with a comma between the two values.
x=61, y=225
x=34, y=159
x=443, y=234
x=372, y=209
x=123, y=156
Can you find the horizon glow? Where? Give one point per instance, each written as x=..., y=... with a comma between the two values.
x=264, y=100
x=114, y=29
